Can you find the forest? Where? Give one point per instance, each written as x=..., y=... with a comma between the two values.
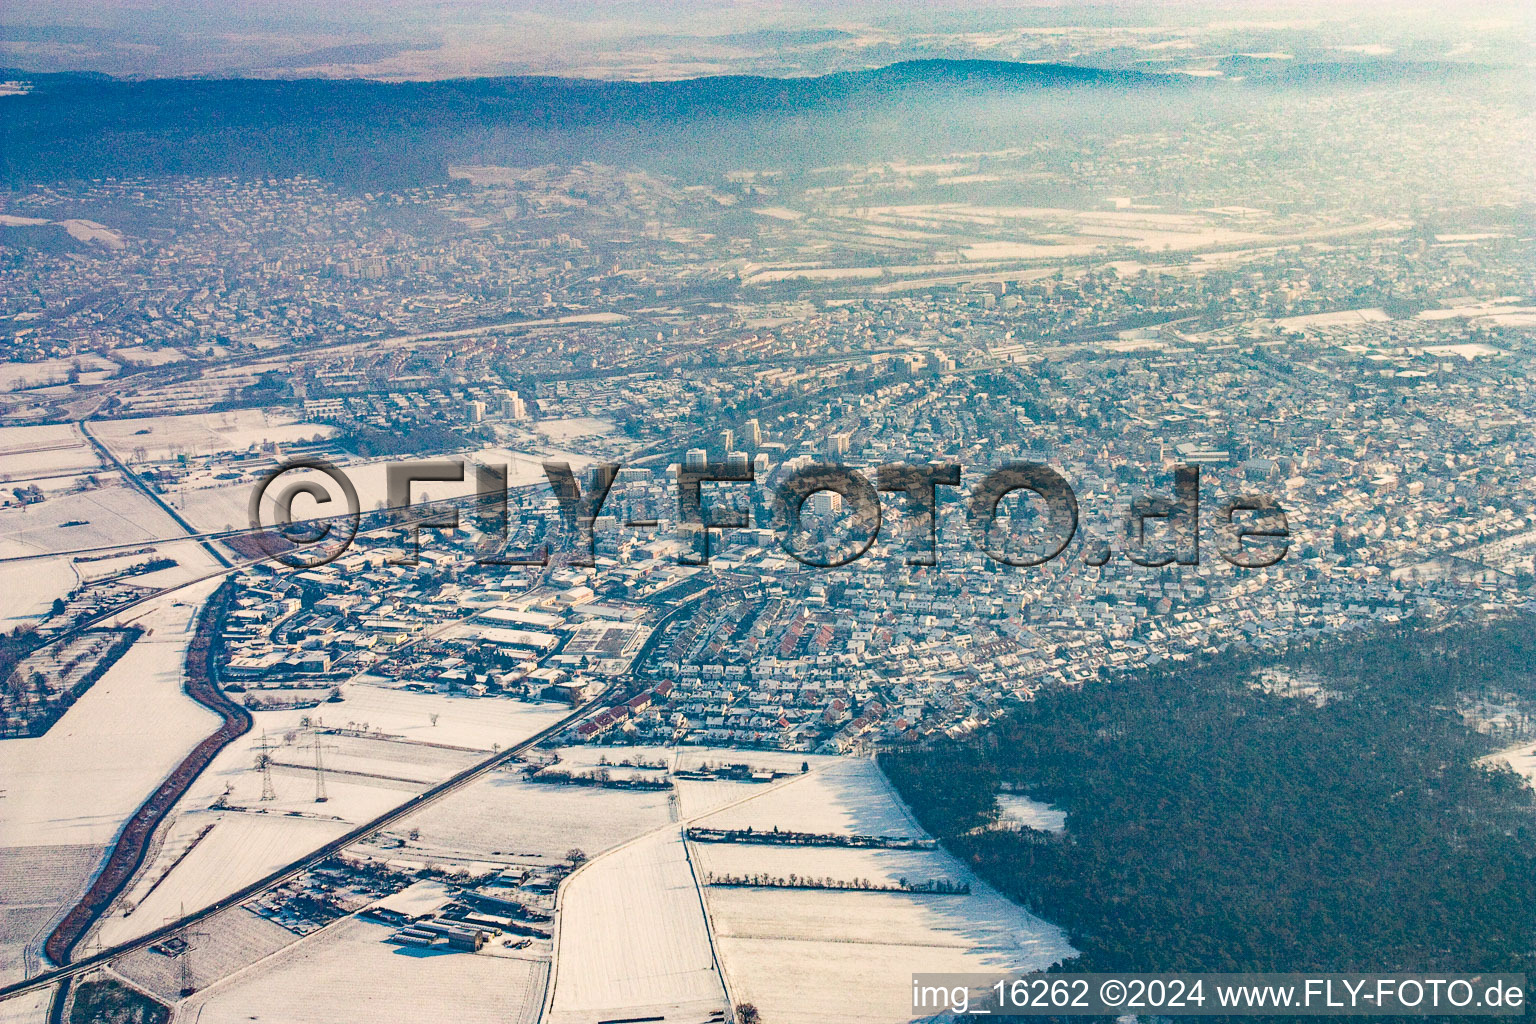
x=1216, y=824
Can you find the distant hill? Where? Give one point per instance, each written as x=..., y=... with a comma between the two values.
x=384, y=134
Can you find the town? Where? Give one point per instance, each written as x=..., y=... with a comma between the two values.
x=495, y=596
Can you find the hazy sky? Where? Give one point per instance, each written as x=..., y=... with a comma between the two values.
x=674, y=38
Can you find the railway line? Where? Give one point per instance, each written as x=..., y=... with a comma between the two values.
x=367, y=830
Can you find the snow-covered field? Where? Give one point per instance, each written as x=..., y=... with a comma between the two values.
x=208, y=433
x=225, y=943
x=114, y=514
x=27, y=589
x=239, y=849
x=37, y=885
x=16, y=376
x=632, y=939
x=841, y=864
x=479, y=723
x=1522, y=760
x=561, y=430
x=256, y=837
x=797, y=953
x=80, y=781
x=143, y=355
x=70, y=790
x=1018, y=809
x=849, y=797
x=43, y=451
x=29, y=1008
x=501, y=818
x=1341, y=318
x=696, y=798
x=347, y=973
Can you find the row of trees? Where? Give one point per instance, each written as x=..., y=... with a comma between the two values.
x=793, y=881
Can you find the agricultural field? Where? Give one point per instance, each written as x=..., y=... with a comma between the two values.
x=222, y=835
x=632, y=941
x=29, y=1008
x=92, y=369
x=205, y=858
x=348, y=973
x=78, y=783
x=28, y=589
x=44, y=451
x=434, y=718
x=848, y=797
x=111, y=514
x=797, y=953
x=700, y=797
x=229, y=942
x=71, y=790
x=63, y=501
x=837, y=865
x=37, y=884
x=43, y=684
x=573, y=427
x=504, y=819
x=163, y=438
x=501, y=818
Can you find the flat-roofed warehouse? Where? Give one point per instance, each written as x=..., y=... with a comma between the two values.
x=501, y=636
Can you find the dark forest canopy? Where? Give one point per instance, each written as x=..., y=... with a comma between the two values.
x=407, y=133
x=1213, y=825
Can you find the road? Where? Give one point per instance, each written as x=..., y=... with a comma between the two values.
x=107, y=456
x=364, y=831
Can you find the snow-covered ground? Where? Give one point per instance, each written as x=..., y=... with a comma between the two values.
x=16, y=376
x=632, y=939
x=229, y=941
x=164, y=437
x=363, y=779
x=796, y=954
x=841, y=864
x=1018, y=809
x=44, y=450
x=81, y=780
x=239, y=849
x=37, y=885
x=561, y=430
x=480, y=723
x=28, y=1008
x=348, y=973
x=1521, y=758
x=69, y=791
x=849, y=797
x=114, y=514
x=28, y=589
x=501, y=818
